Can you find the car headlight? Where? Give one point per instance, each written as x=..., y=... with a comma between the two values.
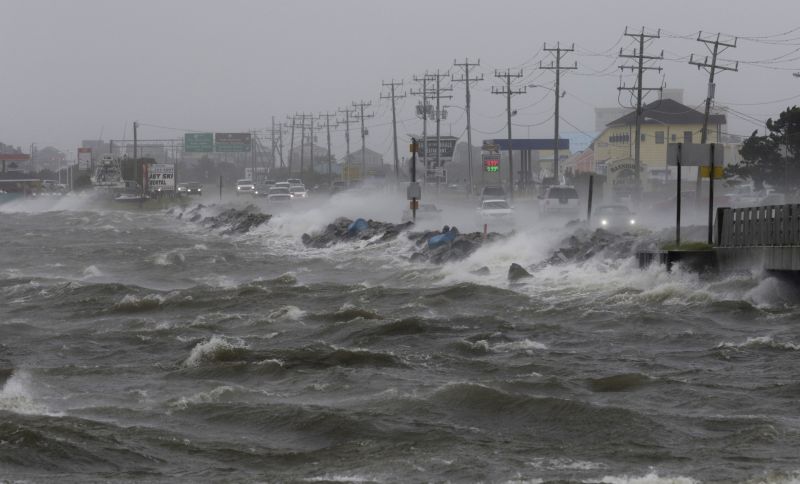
x=604, y=222
x=633, y=222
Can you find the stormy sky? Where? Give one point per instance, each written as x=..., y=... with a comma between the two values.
x=84, y=69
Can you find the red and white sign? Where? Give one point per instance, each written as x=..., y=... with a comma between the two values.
x=84, y=158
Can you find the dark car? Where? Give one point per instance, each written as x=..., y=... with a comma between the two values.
x=613, y=217
x=493, y=193
x=190, y=188
x=338, y=186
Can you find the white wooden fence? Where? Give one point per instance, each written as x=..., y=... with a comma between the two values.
x=772, y=225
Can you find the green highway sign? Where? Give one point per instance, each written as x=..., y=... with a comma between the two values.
x=232, y=142
x=198, y=142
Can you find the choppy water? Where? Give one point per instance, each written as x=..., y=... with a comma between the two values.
x=134, y=346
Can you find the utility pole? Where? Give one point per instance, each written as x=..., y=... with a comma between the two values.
x=291, y=145
x=347, y=121
x=424, y=112
x=466, y=80
x=273, y=141
x=559, y=53
x=711, y=68
x=253, y=156
x=508, y=92
x=311, y=138
x=302, y=140
x=135, y=143
x=280, y=143
x=439, y=89
x=361, y=116
x=328, y=117
x=639, y=68
x=393, y=97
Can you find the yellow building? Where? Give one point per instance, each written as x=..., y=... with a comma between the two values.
x=664, y=121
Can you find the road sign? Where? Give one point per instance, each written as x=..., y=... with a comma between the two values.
x=198, y=142
x=706, y=170
x=413, y=191
x=694, y=154
x=84, y=158
x=232, y=142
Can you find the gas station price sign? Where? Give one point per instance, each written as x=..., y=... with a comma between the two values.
x=491, y=164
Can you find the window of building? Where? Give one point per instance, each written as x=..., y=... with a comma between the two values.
x=642, y=137
x=674, y=137
x=659, y=137
x=687, y=136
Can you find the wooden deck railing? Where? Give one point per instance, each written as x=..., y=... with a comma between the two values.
x=772, y=225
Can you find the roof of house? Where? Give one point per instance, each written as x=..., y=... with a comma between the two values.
x=667, y=111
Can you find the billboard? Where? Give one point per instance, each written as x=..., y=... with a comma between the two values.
x=198, y=142
x=161, y=177
x=446, y=147
x=232, y=142
x=84, y=158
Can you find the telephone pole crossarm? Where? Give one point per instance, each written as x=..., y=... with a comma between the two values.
x=559, y=53
x=508, y=92
x=467, y=80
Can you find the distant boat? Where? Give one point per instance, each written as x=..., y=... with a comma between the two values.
x=107, y=176
x=131, y=197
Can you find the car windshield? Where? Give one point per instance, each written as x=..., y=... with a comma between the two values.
x=613, y=210
x=496, y=204
x=244, y=182
x=279, y=191
x=194, y=185
x=297, y=189
x=562, y=192
x=493, y=191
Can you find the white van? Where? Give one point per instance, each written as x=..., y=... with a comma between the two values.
x=560, y=200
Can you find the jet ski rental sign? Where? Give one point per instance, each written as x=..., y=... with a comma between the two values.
x=161, y=177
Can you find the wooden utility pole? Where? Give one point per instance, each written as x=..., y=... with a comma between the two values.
x=559, y=53
x=291, y=144
x=640, y=67
x=360, y=114
x=424, y=112
x=438, y=113
x=393, y=96
x=467, y=80
x=347, y=121
x=328, y=117
x=508, y=92
x=711, y=67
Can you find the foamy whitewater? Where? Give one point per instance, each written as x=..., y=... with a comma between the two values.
x=141, y=346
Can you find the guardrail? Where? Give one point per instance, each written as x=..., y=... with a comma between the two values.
x=771, y=225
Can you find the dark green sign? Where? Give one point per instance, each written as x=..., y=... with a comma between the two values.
x=198, y=142
x=232, y=142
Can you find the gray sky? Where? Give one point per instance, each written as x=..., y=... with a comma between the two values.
x=77, y=69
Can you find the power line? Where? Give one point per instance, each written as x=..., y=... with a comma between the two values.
x=466, y=79
x=559, y=52
x=508, y=92
x=639, y=89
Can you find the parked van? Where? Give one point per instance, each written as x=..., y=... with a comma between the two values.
x=561, y=200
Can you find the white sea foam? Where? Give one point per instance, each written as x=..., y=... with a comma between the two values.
x=761, y=342
x=651, y=478
x=92, y=271
x=210, y=349
x=215, y=395
x=290, y=313
x=18, y=396
x=525, y=345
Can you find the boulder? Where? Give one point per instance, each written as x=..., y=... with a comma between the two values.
x=517, y=272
